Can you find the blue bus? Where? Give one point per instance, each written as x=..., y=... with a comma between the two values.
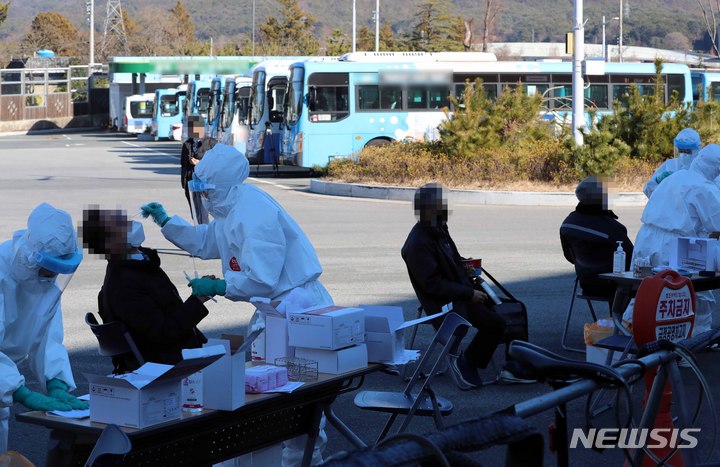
x=337, y=109
x=167, y=115
x=233, y=129
x=197, y=103
x=705, y=85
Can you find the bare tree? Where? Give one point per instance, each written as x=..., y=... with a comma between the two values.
x=492, y=8
x=710, y=9
x=467, y=42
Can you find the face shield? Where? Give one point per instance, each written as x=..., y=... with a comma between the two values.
x=54, y=269
x=686, y=144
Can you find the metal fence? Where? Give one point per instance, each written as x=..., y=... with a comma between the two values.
x=42, y=93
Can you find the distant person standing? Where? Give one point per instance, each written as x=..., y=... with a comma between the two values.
x=192, y=151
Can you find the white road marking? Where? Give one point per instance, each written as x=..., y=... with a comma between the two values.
x=150, y=149
x=284, y=187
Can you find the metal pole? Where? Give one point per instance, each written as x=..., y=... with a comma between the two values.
x=620, y=41
x=253, y=28
x=354, y=28
x=92, y=37
x=377, y=25
x=578, y=108
x=604, y=52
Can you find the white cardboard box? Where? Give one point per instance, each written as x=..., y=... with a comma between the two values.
x=326, y=327
x=384, y=331
x=149, y=395
x=694, y=254
x=336, y=361
x=276, y=330
x=599, y=355
x=224, y=380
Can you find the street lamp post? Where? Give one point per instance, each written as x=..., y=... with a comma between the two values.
x=253, y=28
x=91, y=19
x=377, y=25
x=604, y=45
x=354, y=28
x=620, y=39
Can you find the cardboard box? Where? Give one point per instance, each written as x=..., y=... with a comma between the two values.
x=224, y=380
x=599, y=355
x=384, y=331
x=336, y=361
x=693, y=254
x=276, y=330
x=326, y=327
x=149, y=395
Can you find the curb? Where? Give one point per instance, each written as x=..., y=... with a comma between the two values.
x=51, y=131
x=479, y=197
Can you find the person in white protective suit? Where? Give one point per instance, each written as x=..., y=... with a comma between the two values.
x=684, y=205
x=30, y=317
x=264, y=252
x=687, y=144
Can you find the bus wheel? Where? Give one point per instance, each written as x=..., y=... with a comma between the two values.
x=377, y=142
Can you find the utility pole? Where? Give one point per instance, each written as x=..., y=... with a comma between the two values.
x=354, y=28
x=253, y=29
x=620, y=41
x=90, y=8
x=578, y=97
x=377, y=25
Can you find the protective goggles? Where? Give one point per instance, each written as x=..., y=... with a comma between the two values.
x=60, y=265
x=196, y=185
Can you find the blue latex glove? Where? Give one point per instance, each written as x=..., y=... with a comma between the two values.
x=207, y=287
x=58, y=390
x=36, y=401
x=156, y=211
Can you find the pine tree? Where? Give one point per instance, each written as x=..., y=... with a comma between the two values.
x=338, y=44
x=436, y=29
x=4, y=12
x=52, y=30
x=180, y=35
x=291, y=34
x=365, y=39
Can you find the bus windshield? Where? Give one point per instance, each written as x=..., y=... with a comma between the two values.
x=203, y=101
x=228, y=105
x=257, y=97
x=294, y=98
x=169, y=105
x=141, y=109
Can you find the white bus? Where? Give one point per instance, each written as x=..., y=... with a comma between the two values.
x=137, y=110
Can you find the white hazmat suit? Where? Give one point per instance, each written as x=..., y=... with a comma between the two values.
x=687, y=145
x=30, y=316
x=687, y=204
x=264, y=252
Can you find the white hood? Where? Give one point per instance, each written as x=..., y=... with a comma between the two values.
x=226, y=168
x=707, y=162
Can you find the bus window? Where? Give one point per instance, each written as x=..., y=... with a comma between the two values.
x=257, y=97
x=596, y=96
x=391, y=97
x=714, y=92
x=417, y=97
x=439, y=97
x=697, y=88
x=203, y=101
x=329, y=96
x=141, y=109
x=168, y=106
x=676, y=84
x=294, y=98
x=368, y=97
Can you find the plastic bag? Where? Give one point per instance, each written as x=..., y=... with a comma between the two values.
x=594, y=332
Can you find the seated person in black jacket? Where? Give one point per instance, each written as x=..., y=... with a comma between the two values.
x=589, y=237
x=137, y=292
x=439, y=277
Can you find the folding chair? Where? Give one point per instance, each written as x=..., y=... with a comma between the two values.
x=113, y=339
x=424, y=402
x=411, y=345
x=110, y=448
x=588, y=250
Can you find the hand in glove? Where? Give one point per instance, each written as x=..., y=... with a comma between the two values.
x=207, y=287
x=58, y=390
x=36, y=401
x=156, y=211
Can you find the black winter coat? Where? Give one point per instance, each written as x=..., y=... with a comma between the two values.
x=140, y=294
x=436, y=270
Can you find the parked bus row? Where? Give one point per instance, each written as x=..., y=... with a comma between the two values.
x=306, y=111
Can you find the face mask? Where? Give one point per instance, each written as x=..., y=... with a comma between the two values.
x=136, y=234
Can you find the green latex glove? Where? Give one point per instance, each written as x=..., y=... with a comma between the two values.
x=662, y=176
x=36, y=401
x=156, y=211
x=207, y=287
x=58, y=390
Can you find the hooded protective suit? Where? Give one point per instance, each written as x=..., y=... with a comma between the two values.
x=264, y=252
x=687, y=145
x=687, y=204
x=30, y=316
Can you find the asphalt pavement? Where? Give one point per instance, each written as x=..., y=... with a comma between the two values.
x=358, y=242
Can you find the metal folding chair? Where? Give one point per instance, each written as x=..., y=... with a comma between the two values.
x=424, y=401
x=110, y=448
x=113, y=339
x=589, y=299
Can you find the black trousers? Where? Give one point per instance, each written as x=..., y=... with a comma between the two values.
x=490, y=331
